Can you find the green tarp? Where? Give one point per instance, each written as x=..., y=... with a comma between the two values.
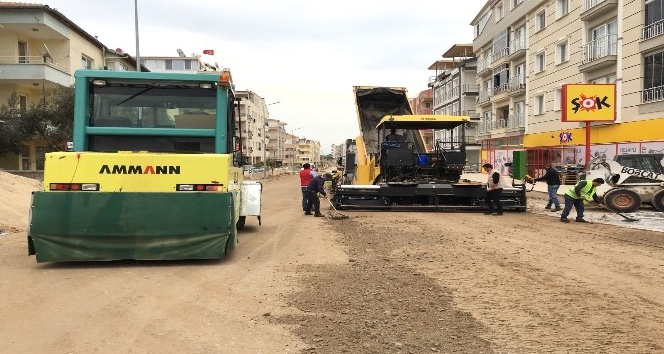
x=84, y=226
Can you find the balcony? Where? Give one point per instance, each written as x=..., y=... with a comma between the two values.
x=516, y=85
x=499, y=92
x=513, y=122
x=653, y=30
x=472, y=114
x=484, y=126
x=500, y=57
x=654, y=94
x=517, y=48
x=484, y=98
x=591, y=9
x=599, y=53
x=470, y=89
x=34, y=68
x=516, y=121
x=483, y=67
x=651, y=37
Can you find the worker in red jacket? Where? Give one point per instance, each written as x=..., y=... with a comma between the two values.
x=306, y=175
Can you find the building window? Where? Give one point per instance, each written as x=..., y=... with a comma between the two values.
x=501, y=45
x=501, y=79
x=25, y=157
x=653, y=77
x=40, y=157
x=516, y=3
x=557, y=98
x=540, y=20
x=539, y=105
x=519, y=109
x=479, y=27
x=178, y=64
x=519, y=41
x=562, y=8
x=22, y=52
x=654, y=25
x=562, y=51
x=604, y=39
x=498, y=11
x=540, y=62
x=22, y=103
x=86, y=62
x=604, y=80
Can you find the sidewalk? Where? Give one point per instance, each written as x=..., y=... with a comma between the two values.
x=539, y=186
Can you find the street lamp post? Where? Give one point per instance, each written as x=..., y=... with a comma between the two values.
x=293, y=152
x=265, y=140
x=138, y=55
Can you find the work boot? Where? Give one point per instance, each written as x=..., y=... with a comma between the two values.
x=556, y=209
x=548, y=206
x=564, y=220
x=581, y=220
x=319, y=215
x=307, y=213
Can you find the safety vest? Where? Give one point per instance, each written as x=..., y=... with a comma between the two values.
x=586, y=192
x=501, y=181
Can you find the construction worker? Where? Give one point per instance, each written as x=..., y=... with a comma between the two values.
x=306, y=175
x=393, y=136
x=313, y=188
x=494, y=187
x=552, y=179
x=328, y=185
x=583, y=192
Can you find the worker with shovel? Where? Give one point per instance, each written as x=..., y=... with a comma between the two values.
x=577, y=196
x=315, y=186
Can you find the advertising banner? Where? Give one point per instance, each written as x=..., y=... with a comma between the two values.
x=589, y=103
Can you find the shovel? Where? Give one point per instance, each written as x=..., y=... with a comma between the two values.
x=627, y=218
x=337, y=215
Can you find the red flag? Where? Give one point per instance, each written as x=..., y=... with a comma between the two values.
x=208, y=51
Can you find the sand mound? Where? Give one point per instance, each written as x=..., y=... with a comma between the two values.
x=15, y=194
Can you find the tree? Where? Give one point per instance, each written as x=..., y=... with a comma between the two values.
x=10, y=132
x=272, y=165
x=51, y=120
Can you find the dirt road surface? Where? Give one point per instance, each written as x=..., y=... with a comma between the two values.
x=377, y=282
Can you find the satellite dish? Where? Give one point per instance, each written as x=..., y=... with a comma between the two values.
x=181, y=53
x=48, y=52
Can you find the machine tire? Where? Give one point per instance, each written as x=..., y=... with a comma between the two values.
x=240, y=222
x=658, y=200
x=622, y=200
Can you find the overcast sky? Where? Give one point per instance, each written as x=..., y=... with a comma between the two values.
x=307, y=55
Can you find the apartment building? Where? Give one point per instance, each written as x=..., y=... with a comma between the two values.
x=291, y=153
x=276, y=146
x=455, y=92
x=422, y=104
x=337, y=151
x=528, y=49
x=181, y=63
x=254, y=126
x=308, y=152
x=40, y=48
